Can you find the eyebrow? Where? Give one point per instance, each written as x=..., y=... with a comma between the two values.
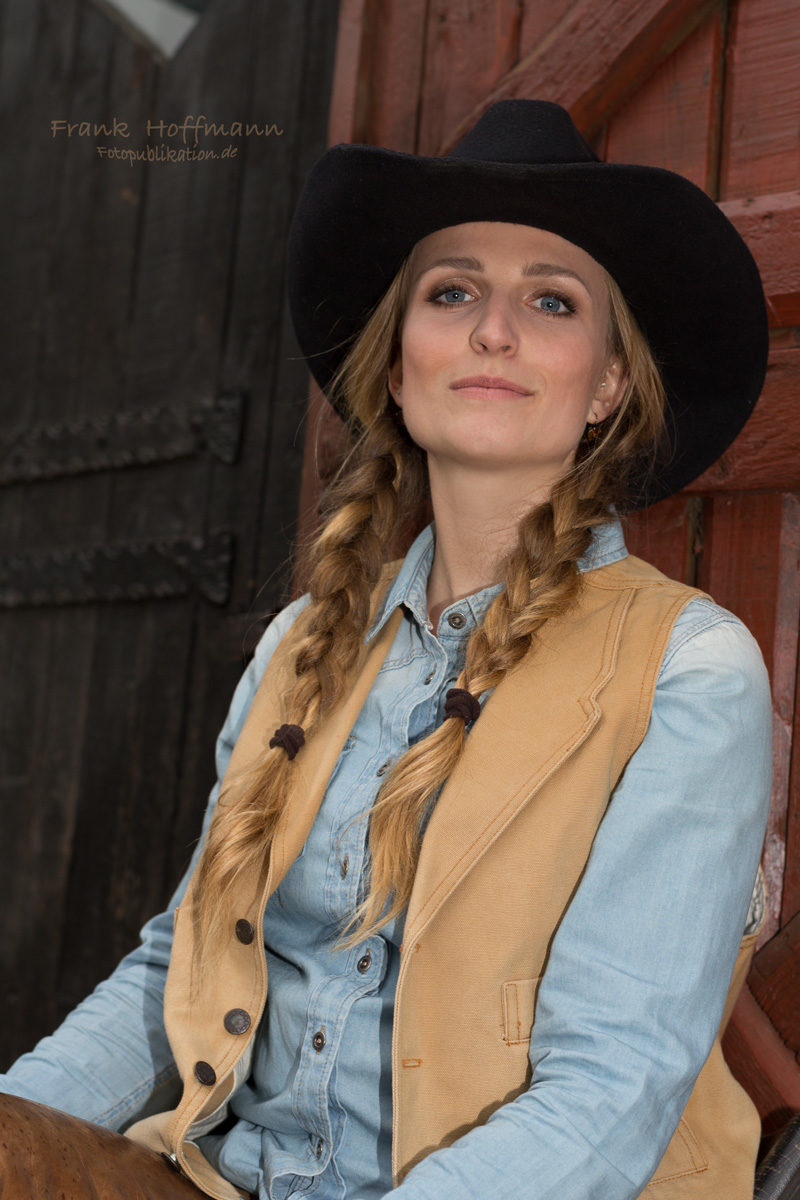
x=468, y=263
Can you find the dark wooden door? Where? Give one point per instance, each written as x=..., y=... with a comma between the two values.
x=150, y=450
x=711, y=90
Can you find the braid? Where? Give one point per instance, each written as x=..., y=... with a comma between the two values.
x=348, y=554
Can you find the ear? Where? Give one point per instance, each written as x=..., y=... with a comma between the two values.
x=610, y=390
x=394, y=378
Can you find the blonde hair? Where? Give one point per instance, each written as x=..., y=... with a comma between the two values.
x=380, y=487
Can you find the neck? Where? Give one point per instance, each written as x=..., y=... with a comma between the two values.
x=477, y=516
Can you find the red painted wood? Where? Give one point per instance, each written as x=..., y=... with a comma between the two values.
x=590, y=65
x=346, y=107
x=664, y=535
x=770, y=224
x=540, y=21
x=672, y=119
x=762, y=99
x=761, y=1062
x=469, y=47
x=766, y=454
x=774, y=980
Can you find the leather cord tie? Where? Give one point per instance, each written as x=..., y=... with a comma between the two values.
x=290, y=737
x=461, y=703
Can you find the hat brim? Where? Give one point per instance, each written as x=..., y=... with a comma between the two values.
x=686, y=273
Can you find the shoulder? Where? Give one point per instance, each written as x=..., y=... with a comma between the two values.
x=277, y=629
x=711, y=647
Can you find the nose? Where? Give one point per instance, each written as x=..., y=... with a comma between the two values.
x=494, y=328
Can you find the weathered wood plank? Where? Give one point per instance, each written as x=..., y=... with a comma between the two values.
x=589, y=65
x=770, y=224
x=671, y=120
x=762, y=100
x=760, y=1061
x=766, y=454
x=665, y=536
x=775, y=982
x=469, y=47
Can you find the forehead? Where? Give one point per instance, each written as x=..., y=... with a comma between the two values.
x=504, y=243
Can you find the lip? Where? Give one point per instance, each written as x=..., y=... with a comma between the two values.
x=494, y=383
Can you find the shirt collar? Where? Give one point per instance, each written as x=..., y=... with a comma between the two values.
x=410, y=585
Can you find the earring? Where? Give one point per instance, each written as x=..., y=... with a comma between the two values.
x=594, y=431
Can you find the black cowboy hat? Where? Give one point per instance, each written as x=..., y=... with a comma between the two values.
x=685, y=272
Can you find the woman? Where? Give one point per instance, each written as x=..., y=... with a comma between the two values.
x=503, y=839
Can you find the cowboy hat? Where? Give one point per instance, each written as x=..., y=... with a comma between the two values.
x=684, y=270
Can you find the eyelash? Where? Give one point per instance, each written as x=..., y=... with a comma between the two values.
x=452, y=286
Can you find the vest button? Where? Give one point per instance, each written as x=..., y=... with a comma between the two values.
x=171, y=1162
x=237, y=1021
x=318, y=1040
x=244, y=931
x=364, y=963
x=456, y=620
x=205, y=1073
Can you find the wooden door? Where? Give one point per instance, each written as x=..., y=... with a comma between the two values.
x=710, y=90
x=150, y=450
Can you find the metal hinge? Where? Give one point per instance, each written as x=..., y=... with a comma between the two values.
x=140, y=570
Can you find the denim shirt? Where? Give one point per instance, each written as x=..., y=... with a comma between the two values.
x=674, y=859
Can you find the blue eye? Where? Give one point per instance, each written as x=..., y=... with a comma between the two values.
x=453, y=292
x=550, y=304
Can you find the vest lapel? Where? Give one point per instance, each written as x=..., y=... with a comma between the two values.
x=534, y=719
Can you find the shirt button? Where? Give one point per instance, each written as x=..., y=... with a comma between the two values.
x=364, y=963
x=244, y=931
x=456, y=620
x=429, y=678
x=236, y=1021
x=318, y=1040
x=320, y=1146
x=205, y=1073
x=383, y=768
x=344, y=864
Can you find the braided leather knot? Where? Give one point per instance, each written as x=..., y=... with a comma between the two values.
x=461, y=703
x=290, y=737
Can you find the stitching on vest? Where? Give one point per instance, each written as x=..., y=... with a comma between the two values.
x=691, y=1144
x=412, y=1062
x=559, y=754
x=650, y=679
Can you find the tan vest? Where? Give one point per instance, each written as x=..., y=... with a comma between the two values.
x=502, y=853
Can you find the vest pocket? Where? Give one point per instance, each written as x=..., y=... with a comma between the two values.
x=518, y=1004
x=684, y=1156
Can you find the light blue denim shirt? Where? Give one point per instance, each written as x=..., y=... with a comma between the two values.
x=635, y=983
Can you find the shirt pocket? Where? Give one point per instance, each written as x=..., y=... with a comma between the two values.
x=518, y=1002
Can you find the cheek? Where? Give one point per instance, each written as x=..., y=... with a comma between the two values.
x=426, y=351
x=572, y=367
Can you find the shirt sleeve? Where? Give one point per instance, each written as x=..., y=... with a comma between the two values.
x=633, y=993
x=110, y=1061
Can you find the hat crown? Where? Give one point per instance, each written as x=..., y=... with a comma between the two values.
x=524, y=132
